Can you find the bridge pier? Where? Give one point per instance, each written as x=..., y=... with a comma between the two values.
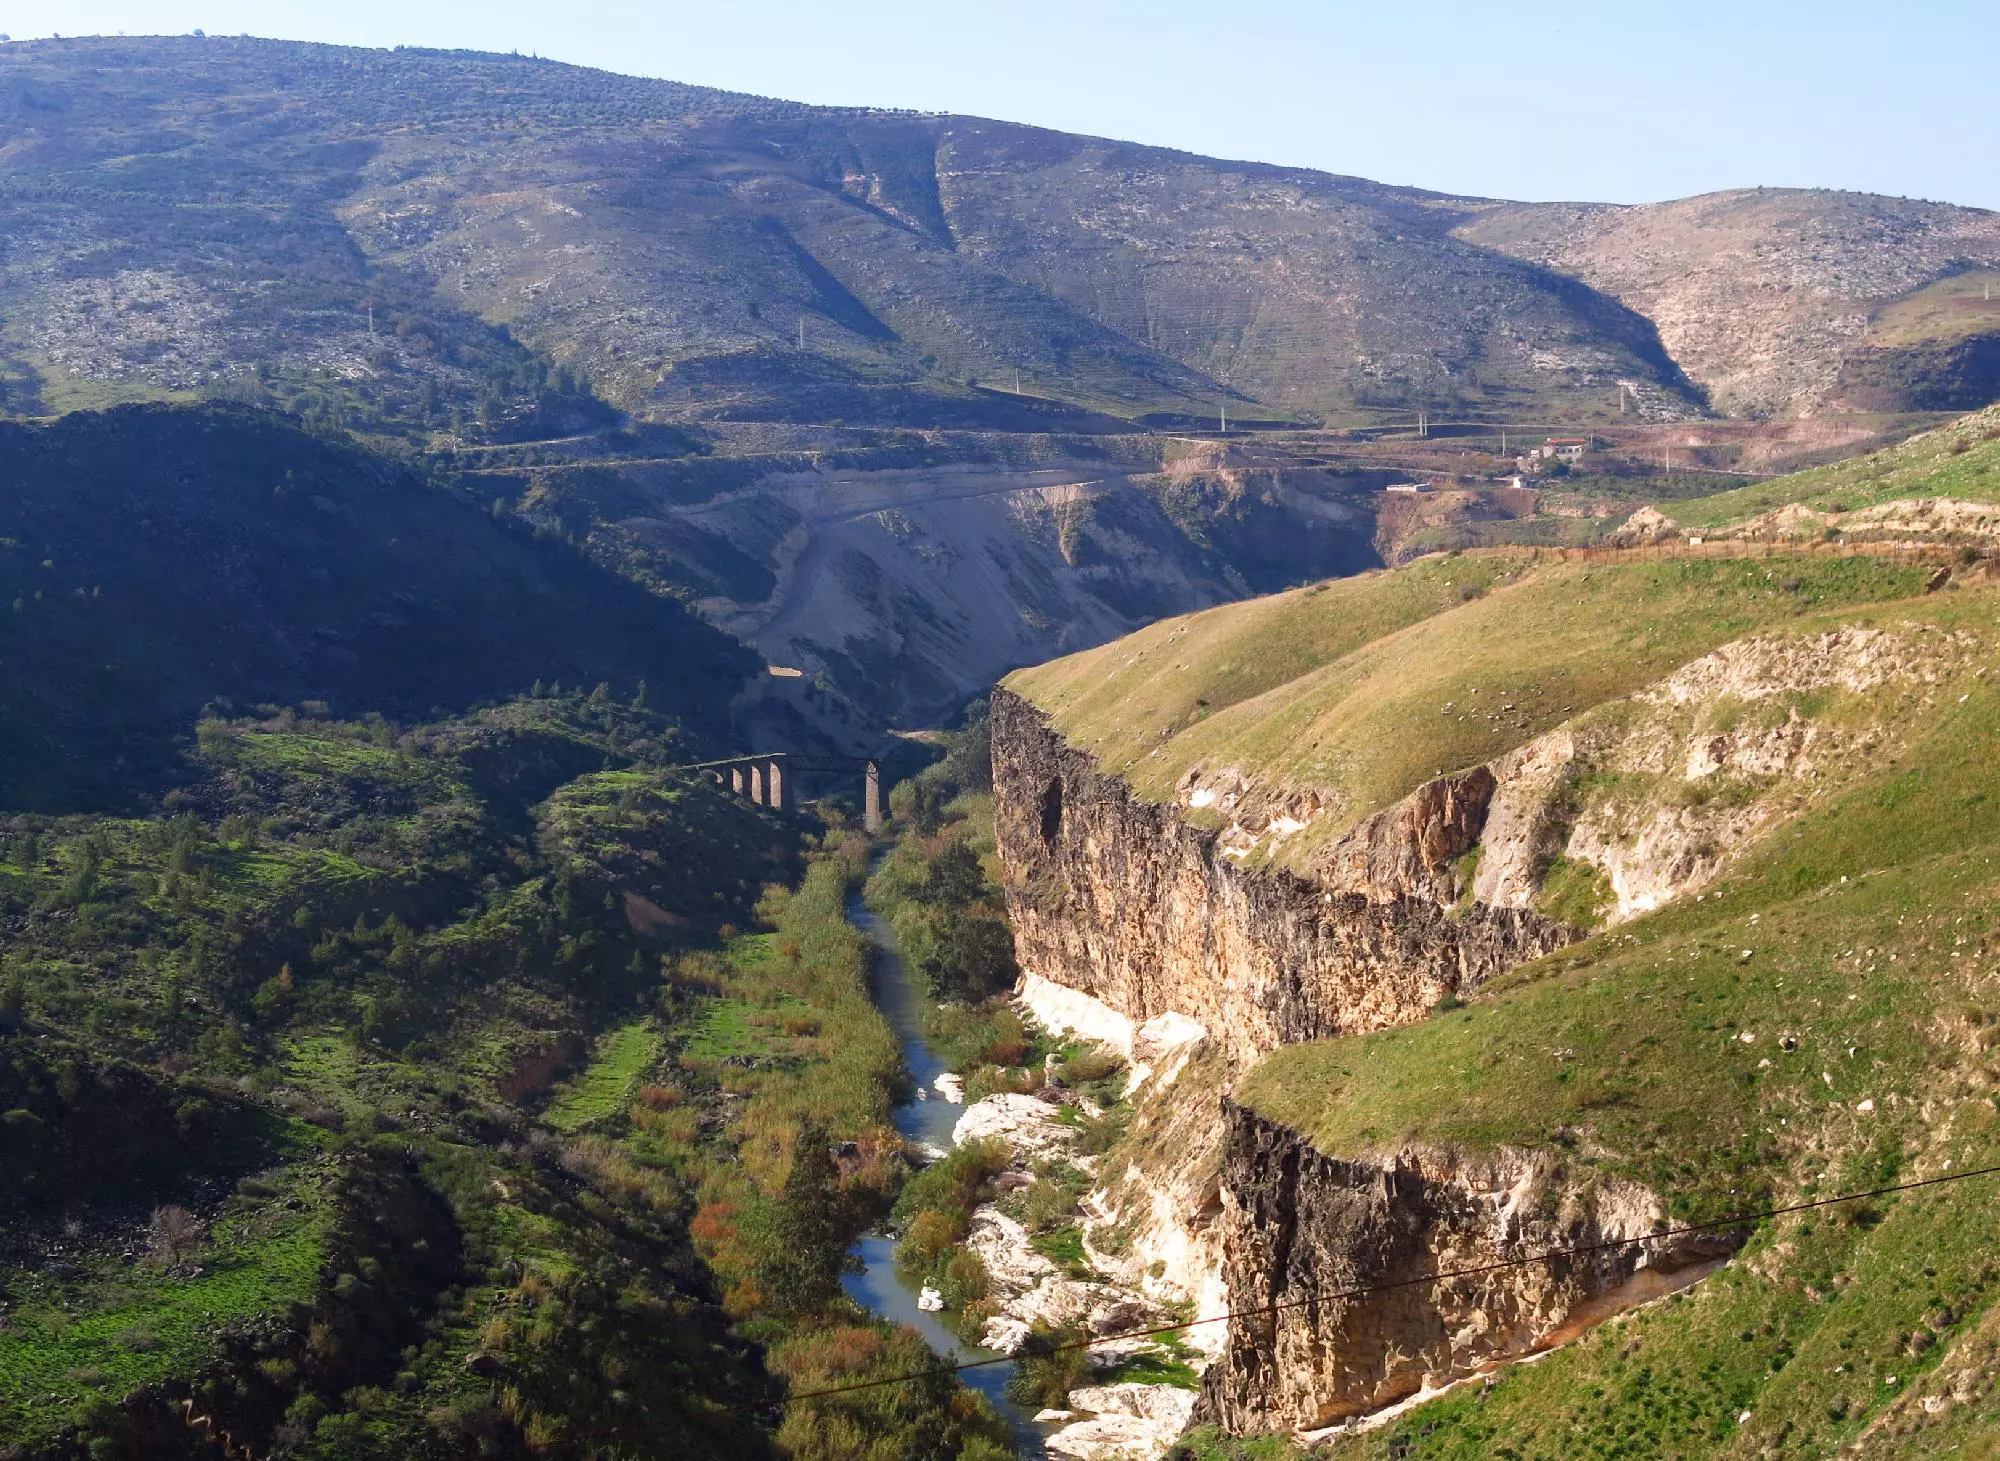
x=769, y=780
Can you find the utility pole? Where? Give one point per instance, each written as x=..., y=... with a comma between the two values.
x=1503, y=441
x=802, y=334
x=371, y=316
x=1017, y=380
x=1225, y=418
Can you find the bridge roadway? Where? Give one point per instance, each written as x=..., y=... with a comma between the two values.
x=766, y=778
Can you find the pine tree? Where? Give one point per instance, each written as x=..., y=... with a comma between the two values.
x=811, y=1236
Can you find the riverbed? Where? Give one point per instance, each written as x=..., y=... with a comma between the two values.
x=928, y=1122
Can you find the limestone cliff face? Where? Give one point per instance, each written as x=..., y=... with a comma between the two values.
x=1121, y=899
x=1302, y=1231
x=1638, y=801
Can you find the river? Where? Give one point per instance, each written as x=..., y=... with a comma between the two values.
x=930, y=1122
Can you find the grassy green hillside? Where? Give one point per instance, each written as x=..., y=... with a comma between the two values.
x=155, y=560
x=478, y=1107
x=1961, y=460
x=1825, y=1021
x=385, y=1066
x=1359, y=690
x=1822, y=1020
x=1823, y=1016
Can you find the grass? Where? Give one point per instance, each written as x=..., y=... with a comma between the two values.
x=1119, y=698
x=1955, y=306
x=1960, y=460
x=605, y=1087
x=1819, y=1328
x=1535, y=645
x=1820, y=1021
x=1634, y=1036
x=1824, y=1018
x=1167, y=1365
x=723, y=1030
x=1064, y=1246
x=46, y=1350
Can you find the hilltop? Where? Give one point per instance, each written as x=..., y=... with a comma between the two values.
x=505, y=246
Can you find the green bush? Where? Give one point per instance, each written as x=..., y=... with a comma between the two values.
x=1050, y=1363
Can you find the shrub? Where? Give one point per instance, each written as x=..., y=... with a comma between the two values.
x=173, y=1235
x=1093, y=1064
x=963, y=1279
x=1050, y=1363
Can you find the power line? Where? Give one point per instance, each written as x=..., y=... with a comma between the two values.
x=1741, y=1220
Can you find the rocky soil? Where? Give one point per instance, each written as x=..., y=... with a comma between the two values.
x=1108, y=1421
x=904, y=589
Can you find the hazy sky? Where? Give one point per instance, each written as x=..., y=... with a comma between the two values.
x=1602, y=100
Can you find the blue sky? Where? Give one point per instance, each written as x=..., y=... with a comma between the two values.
x=1625, y=102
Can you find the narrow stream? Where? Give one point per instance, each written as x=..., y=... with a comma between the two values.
x=928, y=1121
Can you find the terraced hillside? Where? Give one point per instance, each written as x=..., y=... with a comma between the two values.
x=1537, y=900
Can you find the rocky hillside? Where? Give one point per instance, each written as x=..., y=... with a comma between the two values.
x=1528, y=903
x=187, y=214
x=1780, y=300
x=901, y=576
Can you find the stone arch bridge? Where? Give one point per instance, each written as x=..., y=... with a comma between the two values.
x=770, y=779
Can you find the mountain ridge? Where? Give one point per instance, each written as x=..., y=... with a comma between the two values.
x=626, y=227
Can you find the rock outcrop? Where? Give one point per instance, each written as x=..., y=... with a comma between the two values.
x=1134, y=923
x=1327, y=1262
x=1121, y=899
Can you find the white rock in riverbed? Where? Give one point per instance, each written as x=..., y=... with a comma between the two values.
x=1004, y=1335
x=1130, y=1422
x=1026, y=1123
x=930, y=1300
x=1012, y=1264
x=951, y=1087
x=1168, y=1404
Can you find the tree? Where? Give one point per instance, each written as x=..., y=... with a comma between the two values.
x=1050, y=1363
x=811, y=1237
x=971, y=956
x=955, y=880
x=173, y=1234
